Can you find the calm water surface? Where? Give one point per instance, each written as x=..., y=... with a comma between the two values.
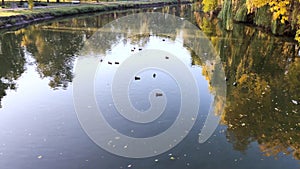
x=259, y=127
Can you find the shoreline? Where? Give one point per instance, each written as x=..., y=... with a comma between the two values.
x=26, y=17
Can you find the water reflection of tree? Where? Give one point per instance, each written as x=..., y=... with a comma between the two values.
x=54, y=53
x=260, y=107
x=111, y=34
x=11, y=62
x=267, y=71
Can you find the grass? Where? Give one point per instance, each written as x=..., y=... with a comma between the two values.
x=58, y=10
x=17, y=17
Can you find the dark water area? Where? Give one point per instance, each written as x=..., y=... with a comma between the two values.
x=259, y=126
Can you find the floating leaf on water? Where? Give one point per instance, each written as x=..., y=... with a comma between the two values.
x=295, y=102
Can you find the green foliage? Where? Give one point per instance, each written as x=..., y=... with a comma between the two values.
x=241, y=14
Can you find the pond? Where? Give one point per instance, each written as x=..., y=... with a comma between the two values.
x=57, y=75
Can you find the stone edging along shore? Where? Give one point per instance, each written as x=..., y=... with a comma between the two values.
x=43, y=14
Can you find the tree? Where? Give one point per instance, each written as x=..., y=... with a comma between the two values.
x=286, y=11
x=278, y=8
x=209, y=5
x=30, y=4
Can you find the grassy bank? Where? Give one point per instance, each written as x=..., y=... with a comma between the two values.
x=20, y=17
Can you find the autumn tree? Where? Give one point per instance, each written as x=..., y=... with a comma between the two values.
x=209, y=5
x=283, y=10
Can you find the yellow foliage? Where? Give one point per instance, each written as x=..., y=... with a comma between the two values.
x=209, y=5
x=30, y=4
x=243, y=78
x=252, y=4
x=278, y=8
x=298, y=36
x=281, y=9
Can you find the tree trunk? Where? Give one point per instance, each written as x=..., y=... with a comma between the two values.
x=3, y=3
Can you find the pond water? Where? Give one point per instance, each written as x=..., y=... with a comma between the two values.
x=257, y=104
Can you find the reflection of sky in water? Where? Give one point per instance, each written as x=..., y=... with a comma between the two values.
x=36, y=121
x=42, y=122
x=139, y=90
